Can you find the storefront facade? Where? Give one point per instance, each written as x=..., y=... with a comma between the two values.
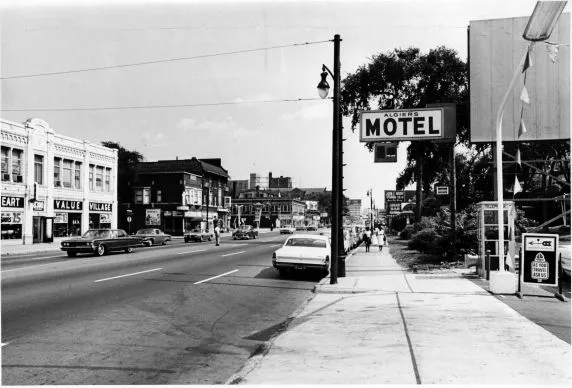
x=54, y=186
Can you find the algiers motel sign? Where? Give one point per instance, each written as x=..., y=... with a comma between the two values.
x=402, y=124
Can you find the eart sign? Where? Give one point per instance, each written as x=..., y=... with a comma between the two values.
x=12, y=201
x=99, y=207
x=61, y=204
x=403, y=124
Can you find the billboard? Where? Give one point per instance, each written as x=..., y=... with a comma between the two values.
x=495, y=49
x=401, y=124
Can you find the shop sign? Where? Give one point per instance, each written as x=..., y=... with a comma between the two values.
x=39, y=206
x=8, y=201
x=60, y=204
x=183, y=208
x=11, y=218
x=227, y=202
x=168, y=213
x=402, y=124
x=540, y=259
x=192, y=214
x=61, y=218
x=153, y=217
x=105, y=218
x=394, y=196
x=394, y=207
x=442, y=190
x=100, y=207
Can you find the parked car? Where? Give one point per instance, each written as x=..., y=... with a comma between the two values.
x=245, y=232
x=153, y=236
x=101, y=241
x=198, y=235
x=312, y=227
x=303, y=252
x=288, y=229
x=301, y=228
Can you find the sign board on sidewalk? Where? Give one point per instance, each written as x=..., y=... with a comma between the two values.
x=393, y=207
x=442, y=190
x=401, y=124
x=539, y=263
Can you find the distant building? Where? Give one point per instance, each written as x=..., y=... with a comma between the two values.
x=258, y=181
x=280, y=183
x=54, y=186
x=355, y=210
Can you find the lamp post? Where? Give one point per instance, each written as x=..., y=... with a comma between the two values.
x=370, y=195
x=337, y=149
x=539, y=28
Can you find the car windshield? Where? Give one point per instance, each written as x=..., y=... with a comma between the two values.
x=306, y=242
x=97, y=234
x=146, y=231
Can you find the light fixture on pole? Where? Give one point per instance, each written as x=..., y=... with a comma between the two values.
x=337, y=149
x=539, y=27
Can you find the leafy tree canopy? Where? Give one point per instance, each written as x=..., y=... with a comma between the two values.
x=127, y=164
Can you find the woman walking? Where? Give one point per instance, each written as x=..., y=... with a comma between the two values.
x=382, y=239
x=367, y=238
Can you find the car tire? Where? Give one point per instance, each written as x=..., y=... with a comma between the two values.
x=71, y=254
x=129, y=250
x=210, y=238
x=100, y=250
x=164, y=242
x=151, y=242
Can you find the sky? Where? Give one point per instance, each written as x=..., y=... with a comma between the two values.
x=239, y=77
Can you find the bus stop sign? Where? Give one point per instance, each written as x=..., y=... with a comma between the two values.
x=539, y=259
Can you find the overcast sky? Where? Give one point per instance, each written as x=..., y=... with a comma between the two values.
x=288, y=138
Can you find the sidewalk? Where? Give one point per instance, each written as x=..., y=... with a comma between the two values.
x=383, y=325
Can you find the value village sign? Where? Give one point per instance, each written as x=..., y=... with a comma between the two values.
x=432, y=123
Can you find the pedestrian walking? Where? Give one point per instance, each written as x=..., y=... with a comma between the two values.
x=367, y=238
x=375, y=237
x=382, y=239
x=217, y=235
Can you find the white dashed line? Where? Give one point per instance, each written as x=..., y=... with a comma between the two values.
x=4, y=344
x=234, y=253
x=275, y=245
x=130, y=274
x=31, y=266
x=215, y=277
x=184, y=253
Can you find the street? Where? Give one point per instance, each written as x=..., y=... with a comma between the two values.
x=177, y=314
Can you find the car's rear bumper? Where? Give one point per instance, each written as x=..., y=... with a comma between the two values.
x=86, y=249
x=299, y=266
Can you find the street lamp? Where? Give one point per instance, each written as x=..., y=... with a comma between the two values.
x=337, y=163
x=370, y=195
x=539, y=27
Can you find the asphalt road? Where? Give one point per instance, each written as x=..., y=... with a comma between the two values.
x=177, y=314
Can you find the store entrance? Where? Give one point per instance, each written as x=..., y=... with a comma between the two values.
x=37, y=230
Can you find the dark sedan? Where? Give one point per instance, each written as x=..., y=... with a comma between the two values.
x=101, y=241
x=245, y=232
x=198, y=235
x=153, y=236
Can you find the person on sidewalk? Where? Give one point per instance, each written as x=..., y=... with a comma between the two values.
x=217, y=235
x=367, y=238
x=382, y=239
x=375, y=237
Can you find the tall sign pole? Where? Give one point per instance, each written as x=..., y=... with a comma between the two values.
x=337, y=233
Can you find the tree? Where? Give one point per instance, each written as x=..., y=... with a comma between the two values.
x=407, y=79
x=127, y=165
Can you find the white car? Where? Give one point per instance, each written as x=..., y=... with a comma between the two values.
x=287, y=230
x=302, y=252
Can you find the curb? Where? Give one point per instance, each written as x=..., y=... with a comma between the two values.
x=324, y=282
x=262, y=350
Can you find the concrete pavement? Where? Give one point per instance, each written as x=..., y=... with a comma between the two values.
x=383, y=325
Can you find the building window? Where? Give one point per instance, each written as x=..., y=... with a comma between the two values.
x=5, y=163
x=17, y=165
x=160, y=196
x=98, y=178
x=39, y=169
x=67, y=173
x=108, y=179
x=91, y=168
x=57, y=173
x=77, y=175
x=143, y=196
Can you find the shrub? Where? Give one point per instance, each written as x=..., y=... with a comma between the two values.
x=407, y=232
x=426, y=240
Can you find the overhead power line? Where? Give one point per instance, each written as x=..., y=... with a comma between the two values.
x=162, y=60
x=157, y=106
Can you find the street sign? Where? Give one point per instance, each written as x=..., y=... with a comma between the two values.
x=539, y=259
x=385, y=152
x=128, y=219
x=442, y=190
x=402, y=124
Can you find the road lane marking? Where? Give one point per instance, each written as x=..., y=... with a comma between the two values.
x=216, y=277
x=234, y=253
x=31, y=266
x=130, y=274
x=4, y=344
x=199, y=250
x=275, y=245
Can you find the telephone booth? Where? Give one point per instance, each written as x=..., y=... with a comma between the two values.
x=487, y=218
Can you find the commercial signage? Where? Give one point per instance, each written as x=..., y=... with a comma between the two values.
x=60, y=204
x=539, y=259
x=8, y=201
x=394, y=196
x=442, y=190
x=39, y=206
x=61, y=218
x=152, y=216
x=385, y=152
x=192, y=214
x=11, y=217
x=393, y=207
x=105, y=218
x=402, y=124
x=100, y=207
x=227, y=202
x=183, y=208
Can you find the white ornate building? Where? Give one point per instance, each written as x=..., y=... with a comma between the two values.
x=53, y=186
